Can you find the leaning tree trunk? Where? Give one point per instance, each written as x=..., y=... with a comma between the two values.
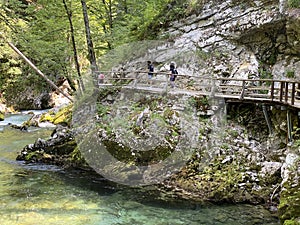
x=91, y=51
x=79, y=81
x=50, y=82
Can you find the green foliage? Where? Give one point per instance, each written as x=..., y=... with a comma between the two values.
x=41, y=30
x=63, y=116
x=265, y=74
x=40, y=38
x=125, y=53
x=102, y=110
x=290, y=74
x=202, y=54
x=294, y=3
x=289, y=207
x=296, y=143
x=1, y=116
x=77, y=158
x=167, y=12
x=291, y=222
x=200, y=103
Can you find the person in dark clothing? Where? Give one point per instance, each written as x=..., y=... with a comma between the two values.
x=100, y=78
x=173, y=75
x=151, y=70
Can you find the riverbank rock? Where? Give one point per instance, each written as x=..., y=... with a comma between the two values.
x=289, y=207
x=57, y=99
x=27, y=99
x=230, y=39
x=58, y=149
x=60, y=115
x=1, y=116
x=19, y=127
x=231, y=160
x=234, y=160
x=39, y=100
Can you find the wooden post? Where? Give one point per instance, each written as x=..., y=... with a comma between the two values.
x=135, y=80
x=286, y=91
x=167, y=82
x=289, y=126
x=293, y=93
x=213, y=89
x=268, y=120
x=272, y=91
x=243, y=90
x=281, y=90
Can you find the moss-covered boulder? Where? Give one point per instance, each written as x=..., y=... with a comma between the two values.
x=1, y=116
x=59, y=149
x=289, y=207
x=63, y=116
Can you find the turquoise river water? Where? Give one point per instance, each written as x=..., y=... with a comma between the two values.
x=33, y=194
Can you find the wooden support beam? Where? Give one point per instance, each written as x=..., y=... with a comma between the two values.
x=268, y=120
x=135, y=79
x=286, y=92
x=293, y=93
x=289, y=125
x=213, y=89
x=272, y=90
x=281, y=91
x=167, y=83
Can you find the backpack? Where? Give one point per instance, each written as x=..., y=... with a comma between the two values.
x=175, y=73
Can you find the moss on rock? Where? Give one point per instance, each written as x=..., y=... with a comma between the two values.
x=289, y=207
x=63, y=116
x=219, y=182
x=1, y=116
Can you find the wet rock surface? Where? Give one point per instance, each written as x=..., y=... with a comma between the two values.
x=55, y=150
x=240, y=163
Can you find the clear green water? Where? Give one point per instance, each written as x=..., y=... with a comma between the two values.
x=42, y=195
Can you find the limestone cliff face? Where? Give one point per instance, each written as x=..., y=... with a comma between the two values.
x=234, y=39
x=242, y=39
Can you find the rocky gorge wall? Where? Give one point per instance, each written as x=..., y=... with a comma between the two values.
x=239, y=39
x=242, y=39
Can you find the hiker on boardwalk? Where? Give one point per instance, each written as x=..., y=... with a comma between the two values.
x=150, y=70
x=100, y=79
x=173, y=74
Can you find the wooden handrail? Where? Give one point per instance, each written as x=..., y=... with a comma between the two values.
x=205, y=77
x=285, y=92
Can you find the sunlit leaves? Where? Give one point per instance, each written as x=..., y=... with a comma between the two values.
x=41, y=30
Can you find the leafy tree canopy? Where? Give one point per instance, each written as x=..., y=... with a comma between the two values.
x=41, y=30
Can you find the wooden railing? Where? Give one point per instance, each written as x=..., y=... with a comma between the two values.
x=282, y=91
x=285, y=92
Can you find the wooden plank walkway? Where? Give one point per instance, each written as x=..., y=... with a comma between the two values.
x=269, y=91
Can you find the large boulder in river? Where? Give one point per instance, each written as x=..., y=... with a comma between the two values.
x=56, y=150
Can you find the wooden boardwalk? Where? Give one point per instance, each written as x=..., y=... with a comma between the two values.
x=269, y=91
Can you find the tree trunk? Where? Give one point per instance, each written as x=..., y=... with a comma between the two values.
x=80, y=82
x=37, y=70
x=92, y=57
